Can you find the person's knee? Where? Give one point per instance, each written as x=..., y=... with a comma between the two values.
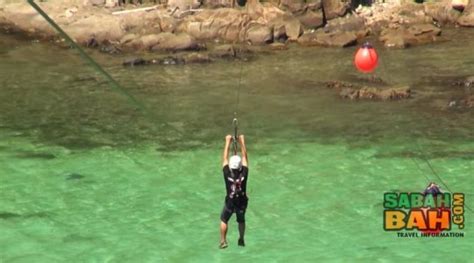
x=241, y=219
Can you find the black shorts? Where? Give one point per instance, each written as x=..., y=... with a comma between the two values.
x=238, y=206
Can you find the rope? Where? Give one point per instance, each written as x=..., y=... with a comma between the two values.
x=427, y=161
x=433, y=171
x=235, y=121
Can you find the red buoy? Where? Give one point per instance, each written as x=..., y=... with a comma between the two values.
x=366, y=58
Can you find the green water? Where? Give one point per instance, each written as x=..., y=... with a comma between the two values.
x=85, y=177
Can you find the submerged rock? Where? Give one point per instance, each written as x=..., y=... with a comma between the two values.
x=353, y=92
x=135, y=62
x=74, y=176
x=196, y=58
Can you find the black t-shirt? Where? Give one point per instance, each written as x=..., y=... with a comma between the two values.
x=236, y=184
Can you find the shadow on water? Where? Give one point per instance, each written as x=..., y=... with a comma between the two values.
x=10, y=215
x=35, y=155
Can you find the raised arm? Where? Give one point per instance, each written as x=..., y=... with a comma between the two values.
x=225, y=155
x=243, y=150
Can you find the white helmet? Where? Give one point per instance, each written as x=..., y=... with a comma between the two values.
x=235, y=162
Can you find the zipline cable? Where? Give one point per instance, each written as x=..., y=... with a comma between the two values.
x=428, y=163
x=235, y=122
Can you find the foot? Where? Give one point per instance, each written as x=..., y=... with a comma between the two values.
x=241, y=242
x=223, y=244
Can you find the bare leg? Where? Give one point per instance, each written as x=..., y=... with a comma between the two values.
x=223, y=243
x=241, y=234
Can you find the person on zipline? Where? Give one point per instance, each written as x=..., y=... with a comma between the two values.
x=236, y=174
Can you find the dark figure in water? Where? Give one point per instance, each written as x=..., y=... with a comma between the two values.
x=236, y=173
x=432, y=189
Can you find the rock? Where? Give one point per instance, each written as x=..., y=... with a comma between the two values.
x=347, y=23
x=199, y=58
x=442, y=12
x=172, y=42
x=168, y=24
x=395, y=93
x=183, y=4
x=224, y=23
x=224, y=51
x=293, y=6
x=278, y=46
x=312, y=19
x=371, y=93
x=334, y=8
x=110, y=48
x=218, y=3
x=259, y=34
x=332, y=39
x=351, y=24
x=128, y=38
x=467, y=17
x=170, y=60
x=279, y=33
x=134, y=62
x=111, y=3
x=413, y=35
x=338, y=85
x=94, y=2
x=147, y=41
x=349, y=93
x=99, y=26
x=313, y=5
x=467, y=82
x=286, y=27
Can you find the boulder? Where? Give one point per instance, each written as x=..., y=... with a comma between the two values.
x=408, y=36
x=259, y=34
x=442, y=12
x=100, y=27
x=332, y=39
x=313, y=5
x=172, y=42
x=334, y=8
x=467, y=17
x=143, y=43
x=223, y=23
x=312, y=19
x=286, y=27
x=352, y=24
x=294, y=6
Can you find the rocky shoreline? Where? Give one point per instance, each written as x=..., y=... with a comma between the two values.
x=162, y=28
x=204, y=34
